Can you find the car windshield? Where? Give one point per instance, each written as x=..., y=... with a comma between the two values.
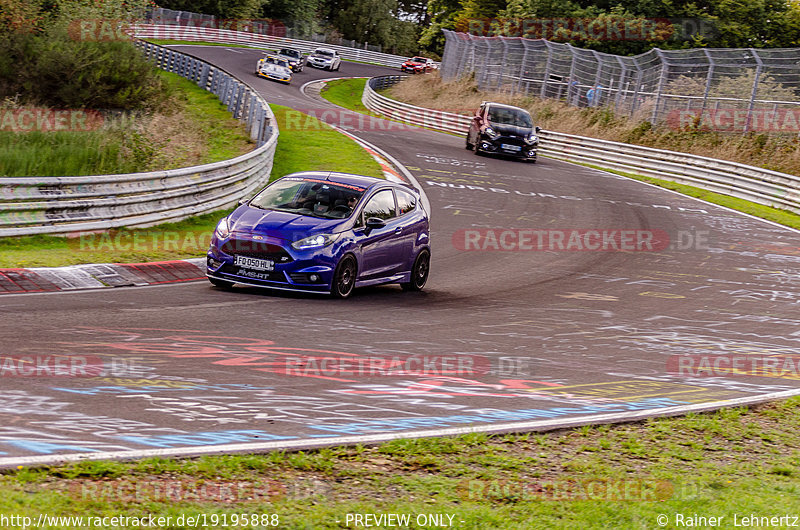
x=418, y=59
x=278, y=61
x=506, y=116
x=309, y=196
x=294, y=54
x=324, y=53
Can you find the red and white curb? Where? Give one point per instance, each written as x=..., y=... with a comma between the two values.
x=99, y=276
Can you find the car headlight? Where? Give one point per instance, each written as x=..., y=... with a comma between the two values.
x=531, y=139
x=315, y=241
x=491, y=133
x=223, y=229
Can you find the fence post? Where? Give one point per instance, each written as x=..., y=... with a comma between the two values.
x=751, y=104
x=661, y=81
x=543, y=93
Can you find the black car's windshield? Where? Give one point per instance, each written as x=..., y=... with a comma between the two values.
x=504, y=116
x=309, y=196
x=294, y=54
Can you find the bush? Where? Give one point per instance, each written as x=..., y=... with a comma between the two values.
x=54, y=70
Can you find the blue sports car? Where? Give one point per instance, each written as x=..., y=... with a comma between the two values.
x=324, y=232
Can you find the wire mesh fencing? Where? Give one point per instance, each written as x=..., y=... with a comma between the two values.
x=728, y=90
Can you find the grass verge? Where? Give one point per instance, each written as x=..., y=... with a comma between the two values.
x=305, y=144
x=167, y=42
x=726, y=464
x=346, y=93
x=189, y=127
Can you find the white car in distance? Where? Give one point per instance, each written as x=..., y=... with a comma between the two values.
x=324, y=58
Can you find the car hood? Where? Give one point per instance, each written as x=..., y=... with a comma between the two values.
x=281, y=225
x=511, y=130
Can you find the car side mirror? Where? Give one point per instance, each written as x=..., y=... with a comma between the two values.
x=242, y=201
x=537, y=128
x=374, y=222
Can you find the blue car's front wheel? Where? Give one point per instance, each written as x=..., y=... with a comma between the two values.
x=344, y=278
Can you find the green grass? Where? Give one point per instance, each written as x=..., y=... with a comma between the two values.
x=307, y=144
x=346, y=93
x=167, y=42
x=94, y=152
x=721, y=464
x=118, y=146
x=312, y=145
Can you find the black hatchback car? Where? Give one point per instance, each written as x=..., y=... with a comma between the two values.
x=295, y=58
x=504, y=130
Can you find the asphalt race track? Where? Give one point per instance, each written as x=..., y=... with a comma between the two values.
x=501, y=338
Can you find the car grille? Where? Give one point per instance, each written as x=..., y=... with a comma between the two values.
x=256, y=249
x=511, y=140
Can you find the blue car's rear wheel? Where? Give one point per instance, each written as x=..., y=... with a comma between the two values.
x=344, y=278
x=419, y=274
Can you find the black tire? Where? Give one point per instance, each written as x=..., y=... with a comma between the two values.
x=222, y=284
x=469, y=145
x=338, y=66
x=344, y=278
x=419, y=273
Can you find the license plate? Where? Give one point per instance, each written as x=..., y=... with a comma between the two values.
x=254, y=263
x=507, y=147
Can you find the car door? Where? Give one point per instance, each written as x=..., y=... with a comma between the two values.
x=381, y=248
x=410, y=226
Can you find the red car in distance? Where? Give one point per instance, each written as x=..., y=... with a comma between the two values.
x=418, y=65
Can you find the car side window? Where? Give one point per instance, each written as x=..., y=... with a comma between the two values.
x=406, y=201
x=381, y=205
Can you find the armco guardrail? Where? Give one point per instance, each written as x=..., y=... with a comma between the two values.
x=224, y=36
x=762, y=186
x=61, y=205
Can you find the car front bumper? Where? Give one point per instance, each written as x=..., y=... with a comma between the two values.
x=274, y=77
x=303, y=270
x=513, y=147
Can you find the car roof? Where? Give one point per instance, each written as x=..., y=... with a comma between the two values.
x=335, y=177
x=504, y=106
x=324, y=50
x=351, y=179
